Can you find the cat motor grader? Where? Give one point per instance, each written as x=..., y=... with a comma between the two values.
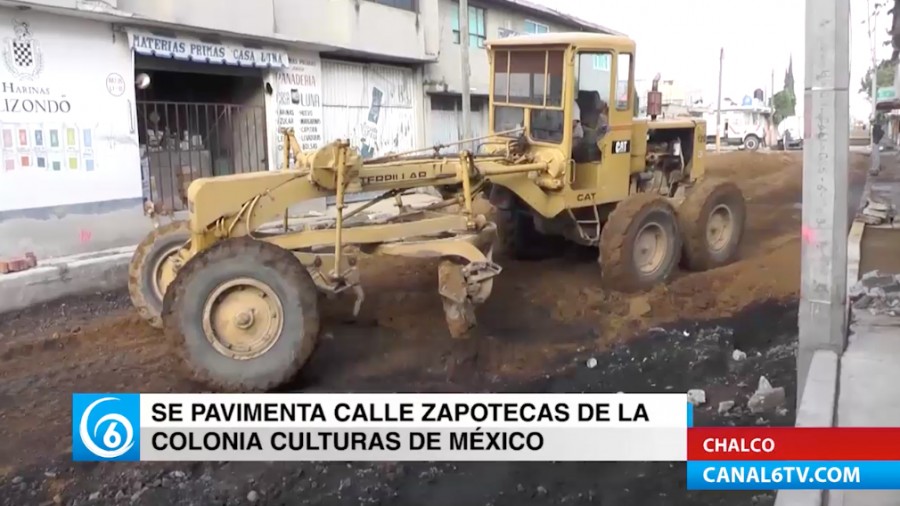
x=236, y=286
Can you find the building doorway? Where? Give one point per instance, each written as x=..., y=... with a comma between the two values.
x=196, y=120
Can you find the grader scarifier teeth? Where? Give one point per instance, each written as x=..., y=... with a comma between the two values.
x=462, y=287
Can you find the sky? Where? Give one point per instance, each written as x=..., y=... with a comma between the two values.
x=681, y=39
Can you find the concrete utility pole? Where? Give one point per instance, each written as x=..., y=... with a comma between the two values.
x=719, y=105
x=823, y=284
x=465, y=70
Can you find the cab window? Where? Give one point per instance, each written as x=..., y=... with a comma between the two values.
x=529, y=82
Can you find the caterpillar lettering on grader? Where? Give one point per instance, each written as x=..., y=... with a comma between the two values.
x=235, y=286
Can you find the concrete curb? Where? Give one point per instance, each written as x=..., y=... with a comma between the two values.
x=854, y=252
x=66, y=276
x=817, y=408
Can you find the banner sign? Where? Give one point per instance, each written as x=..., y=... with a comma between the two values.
x=379, y=427
x=192, y=49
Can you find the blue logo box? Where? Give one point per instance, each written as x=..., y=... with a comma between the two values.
x=106, y=427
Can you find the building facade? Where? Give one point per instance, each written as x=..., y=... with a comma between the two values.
x=110, y=108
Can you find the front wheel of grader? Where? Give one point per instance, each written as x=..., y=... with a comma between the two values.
x=243, y=316
x=148, y=277
x=640, y=244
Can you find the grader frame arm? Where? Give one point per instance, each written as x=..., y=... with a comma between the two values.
x=251, y=205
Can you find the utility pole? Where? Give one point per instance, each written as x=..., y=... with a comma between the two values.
x=875, y=157
x=465, y=70
x=823, y=278
x=772, y=91
x=719, y=104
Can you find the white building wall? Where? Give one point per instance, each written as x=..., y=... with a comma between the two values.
x=70, y=179
x=372, y=105
x=377, y=107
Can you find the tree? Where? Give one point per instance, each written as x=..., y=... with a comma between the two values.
x=785, y=104
x=886, y=72
x=785, y=101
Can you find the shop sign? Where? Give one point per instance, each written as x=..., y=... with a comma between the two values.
x=192, y=49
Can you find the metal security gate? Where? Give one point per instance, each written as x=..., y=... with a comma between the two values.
x=185, y=141
x=372, y=105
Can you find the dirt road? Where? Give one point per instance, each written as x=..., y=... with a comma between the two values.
x=542, y=323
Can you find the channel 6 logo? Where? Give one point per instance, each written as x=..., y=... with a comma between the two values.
x=106, y=427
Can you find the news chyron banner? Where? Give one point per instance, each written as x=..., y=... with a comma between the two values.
x=380, y=427
x=783, y=458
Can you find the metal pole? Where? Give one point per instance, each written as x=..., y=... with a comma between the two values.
x=823, y=278
x=465, y=70
x=719, y=105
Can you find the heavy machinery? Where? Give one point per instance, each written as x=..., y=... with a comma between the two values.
x=235, y=287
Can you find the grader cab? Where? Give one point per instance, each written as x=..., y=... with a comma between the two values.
x=236, y=286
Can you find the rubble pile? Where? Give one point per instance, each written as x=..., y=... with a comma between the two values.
x=877, y=292
x=878, y=212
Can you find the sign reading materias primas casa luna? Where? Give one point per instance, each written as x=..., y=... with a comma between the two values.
x=67, y=129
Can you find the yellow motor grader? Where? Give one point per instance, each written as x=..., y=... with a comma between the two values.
x=235, y=287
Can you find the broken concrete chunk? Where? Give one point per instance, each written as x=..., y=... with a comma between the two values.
x=863, y=302
x=696, y=396
x=725, y=407
x=764, y=385
x=767, y=401
x=879, y=281
x=738, y=355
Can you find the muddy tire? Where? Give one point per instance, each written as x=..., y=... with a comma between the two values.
x=145, y=287
x=518, y=239
x=242, y=316
x=640, y=244
x=712, y=219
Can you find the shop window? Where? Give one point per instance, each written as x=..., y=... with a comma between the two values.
x=535, y=27
x=407, y=5
x=477, y=30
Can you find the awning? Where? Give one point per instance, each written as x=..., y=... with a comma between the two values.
x=188, y=48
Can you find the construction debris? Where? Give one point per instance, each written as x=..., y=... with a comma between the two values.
x=878, y=293
x=878, y=212
x=696, y=396
x=766, y=398
x=23, y=263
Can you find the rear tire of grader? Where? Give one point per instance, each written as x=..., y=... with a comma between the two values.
x=640, y=244
x=242, y=316
x=146, y=285
x=712, y=219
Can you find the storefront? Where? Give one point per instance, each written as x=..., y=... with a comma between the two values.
x=68, y=132
x=201, y=110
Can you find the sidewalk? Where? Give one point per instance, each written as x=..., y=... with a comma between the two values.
x=108, y=270
x=869, y=369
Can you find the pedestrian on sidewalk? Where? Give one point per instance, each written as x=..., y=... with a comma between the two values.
x=877, y=135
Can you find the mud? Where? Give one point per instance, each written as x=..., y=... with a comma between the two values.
x=543, y=321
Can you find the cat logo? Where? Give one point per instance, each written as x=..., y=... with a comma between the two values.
x=22, y=54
